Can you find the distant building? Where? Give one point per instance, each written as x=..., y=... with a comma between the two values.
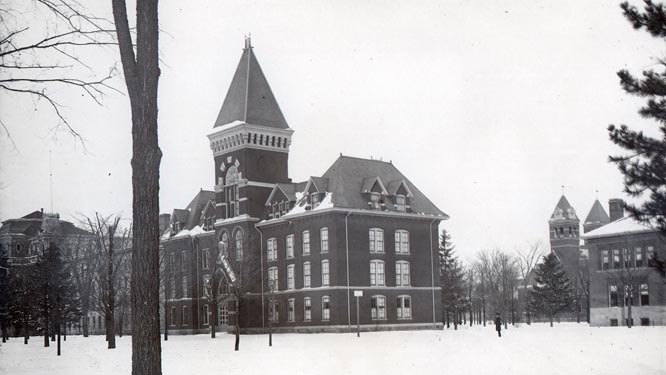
x=298, y=252
x=23, y=241
x=620, y=276
x=612, y=266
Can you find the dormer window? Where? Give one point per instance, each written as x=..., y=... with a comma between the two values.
x=400, y=203
x=175, y=227
x=375, y=202
x=209, y=222
x=314, y=200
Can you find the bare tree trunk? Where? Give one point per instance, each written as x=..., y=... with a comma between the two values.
x=141, y=77
x=111, y=295
x=237, y=343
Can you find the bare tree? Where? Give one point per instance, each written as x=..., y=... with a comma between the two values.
x=82, y=254
x=527, y=258
x=41, y=44
x=141, y=71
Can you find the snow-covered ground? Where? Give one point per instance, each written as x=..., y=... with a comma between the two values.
x=536, y=349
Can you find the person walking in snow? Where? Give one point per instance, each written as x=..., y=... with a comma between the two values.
x=498, y=325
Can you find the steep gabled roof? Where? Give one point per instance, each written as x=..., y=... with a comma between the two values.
x=288, y=190
x=250, y=98
x=394, y=187
x=348, y=175
x=196, y=207
x=597, y=215
x=563, y=211
x=320, y=184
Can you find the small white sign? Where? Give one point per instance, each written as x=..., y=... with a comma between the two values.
x=358, y=293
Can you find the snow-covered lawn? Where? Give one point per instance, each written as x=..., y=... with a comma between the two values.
x=536, y=349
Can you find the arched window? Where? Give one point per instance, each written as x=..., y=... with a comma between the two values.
x=401, y=242
x=376, y=240
x=239, y=245
x=223, y=245
x=401, y=273
x=378, y=307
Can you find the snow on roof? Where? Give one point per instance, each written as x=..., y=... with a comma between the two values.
x=301, y=203
x=624, y=226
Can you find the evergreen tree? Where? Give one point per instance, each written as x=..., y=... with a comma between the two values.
x=553, y=292
x=22, y=299
x=452, y=280
x=644, y=168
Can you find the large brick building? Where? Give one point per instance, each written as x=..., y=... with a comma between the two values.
x=295, y=253
x=610, y=270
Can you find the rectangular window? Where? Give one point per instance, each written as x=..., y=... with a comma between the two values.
x=616, y=259
x=314, y=200
x=401, y=242
x=402, y=273
x=172, y=260
x=613, y=296
x=376, y=273
x=290, y=310
x=271, y=247
x=184, y=316
x=626, y=255
x=649, y=255
x=290, y=246
x=375, y=202
x=306, y=242
x=376, y=237
x=204, y=259
x=172, y=318
x=184, y=286
x=324, y=240
x=325, y=308
x=638, y=257
x=628, y=295
x=400, y=203
x=306, y=275
x=378, y=307
x=274, y=312
x=307, y=309
x=172, y=284
x=290, y=276
x=204, y=317
x=324, y=273
x=644, y=295
x=183, y=261
x=222, y=315
x=404, y=304
x=273, y=279
x=604, y=260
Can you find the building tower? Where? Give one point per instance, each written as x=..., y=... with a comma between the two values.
x=597, y=218
x=564, y=232
x=250, y=142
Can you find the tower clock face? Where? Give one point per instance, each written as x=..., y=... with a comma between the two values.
x=229, y=169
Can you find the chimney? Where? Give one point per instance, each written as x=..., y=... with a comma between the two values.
x=164, y=220
x=615, y=209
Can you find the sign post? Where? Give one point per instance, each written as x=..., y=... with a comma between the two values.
x=358, y=294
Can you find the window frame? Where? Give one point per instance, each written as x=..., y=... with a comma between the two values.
x=377, y=278
x=613, y=296
x=644, y=292
x=376, y=240
x=325, y=273
x=289, y=241
x=307, y=276
x=307, y=309
x=305, y=241
x=291, y=310
x=205, y=253
x=400, y=273
x=271, y=249
x=205, y=318
x=400, y=203
x=325, y=308
x=377, y=310
x=291, y=279
x=239, y=244
x=183, y=315
x=323, y=240
x=401, y=309
x=273, y=276
x=401, y=238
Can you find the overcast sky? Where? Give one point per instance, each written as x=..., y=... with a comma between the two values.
x=487, y=107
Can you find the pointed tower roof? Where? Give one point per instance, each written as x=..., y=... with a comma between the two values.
x=250, y=98
x=563, y=211
x=597, y=215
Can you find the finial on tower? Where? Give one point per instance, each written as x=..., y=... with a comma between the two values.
x=563, y=189
x=248, y=40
